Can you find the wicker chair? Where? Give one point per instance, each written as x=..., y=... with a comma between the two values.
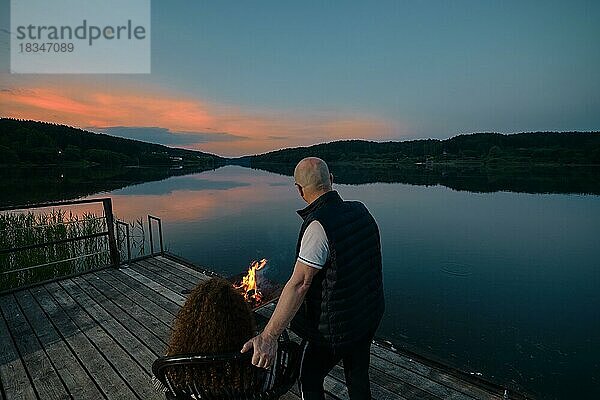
x=250, y=382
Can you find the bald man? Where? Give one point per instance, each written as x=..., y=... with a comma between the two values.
x=334, y=298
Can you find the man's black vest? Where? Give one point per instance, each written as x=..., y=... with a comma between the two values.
x=345, y=300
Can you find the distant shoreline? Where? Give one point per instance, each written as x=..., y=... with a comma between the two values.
x=455, y=163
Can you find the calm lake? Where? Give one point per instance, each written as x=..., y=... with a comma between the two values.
x=502, y=284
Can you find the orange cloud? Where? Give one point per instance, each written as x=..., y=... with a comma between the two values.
x=99, y=106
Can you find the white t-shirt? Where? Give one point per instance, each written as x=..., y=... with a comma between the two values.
x=314, y=247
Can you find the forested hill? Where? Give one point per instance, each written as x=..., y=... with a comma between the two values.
x=28, y=143
x=553, y=148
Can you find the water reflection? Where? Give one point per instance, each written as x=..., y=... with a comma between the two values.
x=501, y=283
x=191, y=183
x=42, y=184
x=526, y=179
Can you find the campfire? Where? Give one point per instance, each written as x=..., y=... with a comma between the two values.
x=257, y=293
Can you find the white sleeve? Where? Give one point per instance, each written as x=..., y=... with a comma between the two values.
x=314, y=247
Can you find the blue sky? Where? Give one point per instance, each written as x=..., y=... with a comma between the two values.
x=271, y=74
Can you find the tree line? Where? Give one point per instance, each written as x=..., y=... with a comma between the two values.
x=568, y=148
x=30, y=143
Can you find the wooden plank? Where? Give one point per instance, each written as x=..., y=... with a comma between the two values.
x=179, y=269
x=433, y=374
x=15, y=382
x=158, y=305
x=107, y=379
x=329, y=396
x=157, y=287
x=137, y=350
x=158, y=278
x=289, y=396
x=168, y=272
x=140, y=308
x=121, y=361
x=335, y=385
x=420, y=381
x=378, y=392
x=334, y=389
x=76, y=379
x=45, y=379
x=413, y=373
x=183, y=268
x=395, y=385
x=144, y=335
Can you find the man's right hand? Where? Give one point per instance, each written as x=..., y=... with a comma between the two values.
x=292, y=295
x=265, y=349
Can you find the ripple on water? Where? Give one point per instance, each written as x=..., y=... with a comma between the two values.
x=453, y=268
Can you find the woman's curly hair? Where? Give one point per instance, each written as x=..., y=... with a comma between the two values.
x=214, y=319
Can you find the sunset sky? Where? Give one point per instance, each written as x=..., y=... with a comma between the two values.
x=244, y=77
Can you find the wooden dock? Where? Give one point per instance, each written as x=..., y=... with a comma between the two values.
x=96, y=335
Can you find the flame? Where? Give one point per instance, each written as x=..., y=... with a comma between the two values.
x=249, y=283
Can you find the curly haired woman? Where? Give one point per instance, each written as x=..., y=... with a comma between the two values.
x=214, y=319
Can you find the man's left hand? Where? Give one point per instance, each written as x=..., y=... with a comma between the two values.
x=265, y=349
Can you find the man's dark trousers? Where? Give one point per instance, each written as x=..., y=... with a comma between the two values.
x=317, y=362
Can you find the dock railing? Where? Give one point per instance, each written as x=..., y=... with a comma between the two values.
x=14, y=275
x=159, y=222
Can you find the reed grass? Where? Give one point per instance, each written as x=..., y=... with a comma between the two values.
x=25, y=267
x=137, y=237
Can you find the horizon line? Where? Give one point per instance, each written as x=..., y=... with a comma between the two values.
x=302, y=147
